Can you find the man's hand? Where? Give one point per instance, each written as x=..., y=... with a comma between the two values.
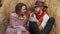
x=33, y=18
x=40, y=27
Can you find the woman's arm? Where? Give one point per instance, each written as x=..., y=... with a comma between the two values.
x=13, y=20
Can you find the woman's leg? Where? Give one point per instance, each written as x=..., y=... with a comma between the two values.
x=49, y=26
x=33, y=28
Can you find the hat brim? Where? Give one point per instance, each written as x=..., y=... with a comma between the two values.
x=45, y=6
x=40, y=6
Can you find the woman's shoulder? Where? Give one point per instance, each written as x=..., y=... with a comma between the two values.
x=13, y=15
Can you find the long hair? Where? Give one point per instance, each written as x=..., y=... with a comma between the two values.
x=19, y=7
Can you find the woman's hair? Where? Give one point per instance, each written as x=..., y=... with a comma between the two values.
x=19, y=7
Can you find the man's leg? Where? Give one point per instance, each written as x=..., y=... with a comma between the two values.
x=34, y=28
x=49, y=26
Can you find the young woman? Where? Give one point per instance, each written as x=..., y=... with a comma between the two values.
x=39, y=21
x=18, y=20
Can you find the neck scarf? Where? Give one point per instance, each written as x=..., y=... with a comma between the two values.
x=38, y=15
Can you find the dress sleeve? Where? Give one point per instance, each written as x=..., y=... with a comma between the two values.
x=12, y=21
x=45, y=20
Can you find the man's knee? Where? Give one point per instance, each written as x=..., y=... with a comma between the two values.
x=52, y=20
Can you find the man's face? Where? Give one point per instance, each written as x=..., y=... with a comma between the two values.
x=38, y=9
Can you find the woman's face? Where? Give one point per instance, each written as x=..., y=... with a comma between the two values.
x=23, y=10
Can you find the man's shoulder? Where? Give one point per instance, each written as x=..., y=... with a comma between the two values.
x=46, y=16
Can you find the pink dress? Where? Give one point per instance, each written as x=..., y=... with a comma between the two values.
x=16, y=25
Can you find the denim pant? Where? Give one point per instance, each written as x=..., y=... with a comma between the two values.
x=33, y=28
